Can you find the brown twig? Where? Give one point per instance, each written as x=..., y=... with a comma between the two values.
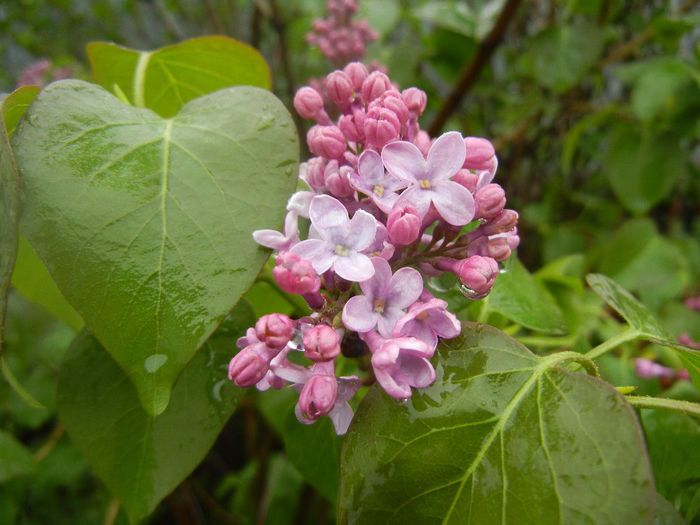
x=474, y=67
x=46, y=448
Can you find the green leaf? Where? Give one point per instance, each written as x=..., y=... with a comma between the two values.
x=33, y=281
x=139, y=457
x=502, y=436
x=671, y=437
x=11, y=110
x=165, y=79
x=145, y=224
x=665, y=513
x=15, y=458
x=643, y=322
x=519, y=297
x=634, y=161
x=563, y=54
x=313, y=449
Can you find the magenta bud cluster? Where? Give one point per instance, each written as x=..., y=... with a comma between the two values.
x=340, y=38
x=389, y=209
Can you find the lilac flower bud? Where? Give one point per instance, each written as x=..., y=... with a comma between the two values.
x=480, y=152
x=381, y=126
x=275, y=330
x=314, y=177
x=503, y=222
x=392, y=100
x=357, y=73
x=415, y=100
x=499, y=248
x=308, y=102
x=477, y=274
x=321, y=343
x=338, y=181
x=295, y=275
x=339, y=88
x=374, y=86
x=353, y=126
x=466, y=178
x=249, y=365
x=326, y=141
x=490, y=201
x=403, y=225
x=318, y=396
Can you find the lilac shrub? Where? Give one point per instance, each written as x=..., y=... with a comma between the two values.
x=389, y=208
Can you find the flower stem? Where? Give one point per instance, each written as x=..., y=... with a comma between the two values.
x=660, y=402
x=612, y=343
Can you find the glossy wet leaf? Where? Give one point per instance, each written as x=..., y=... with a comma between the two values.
x=519, y=297
x=12, y=108
x=502, y=436
x=643, y=321
x=141, y=458
x=145, y=224
x=165, y=79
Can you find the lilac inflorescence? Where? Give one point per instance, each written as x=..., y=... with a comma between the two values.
x=387, y=208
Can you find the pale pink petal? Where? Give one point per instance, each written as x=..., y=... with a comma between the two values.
x=358, y=314
x=355, y=267
x=386, y=322
x=377, y=286
x=405, y=287
x=396, y=387
x=315, y=251
x=369, y=166
x=446, y=156
x=418, y=198
x=454, y=202
x=362, y=230
x=404, y=160
x=270, y=239
x=417, y=371
x=326, y=212
x=444, y=323
x=341, y=416
x=407, y=326
x=299, y=203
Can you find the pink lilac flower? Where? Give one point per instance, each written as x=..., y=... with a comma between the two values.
x=428, y=320
x=341, y=240
x=385, y=297
x=429, y=178
x=372, y=180
x=276, y=240
x=400, y=363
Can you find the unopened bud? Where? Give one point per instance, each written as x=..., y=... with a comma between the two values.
x=248, y=366
x=466, y=178
x=308, y=102
x=490, y=201
x=415, y=100
x=477, y=275
x=479, y=153
x=318, y=396
x=353, y=126
x=275, y=330
x=321, y=343
x=326, y=141
x=392, y=100
x=295, y=275
x=403, y=225
x=357, y=73
x=339, y=88
x=381, y=126
x=374, y=86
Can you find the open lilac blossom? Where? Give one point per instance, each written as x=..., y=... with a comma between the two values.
x=426, y=321
x=341, y=240
x=276, y=240
x=385, y=297
x=373, y=181
x=429, y=179
x=400, y=363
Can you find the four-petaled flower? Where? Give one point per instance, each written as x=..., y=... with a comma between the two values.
x=372, y=180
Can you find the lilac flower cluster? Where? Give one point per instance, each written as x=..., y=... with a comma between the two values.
x=387, y=207
x=339, y=37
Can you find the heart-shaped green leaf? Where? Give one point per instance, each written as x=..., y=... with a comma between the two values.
x=165, y=79
x=142, y=458
x=502, y=436
x=12, y=108
x=643, y=321
x=144, y=223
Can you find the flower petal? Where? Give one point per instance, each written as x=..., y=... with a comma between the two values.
x=341, y=416
x=327, y=213
x=446, y=156
x=370, y=167
x=416, y=371
x=354, y=267
x=404, y=160
x=405, y=287
x=358, y=314
x=453, y=202
x=315, y=251
x=418, y=198
x=378, y=285
x=362, y=229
